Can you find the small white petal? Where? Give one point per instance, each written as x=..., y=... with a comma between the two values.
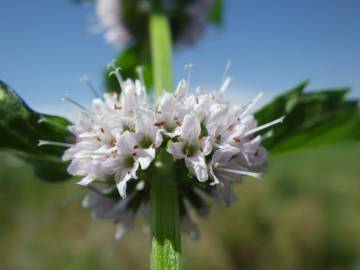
x=190, y=129
x=176, y=149
x=122, y=180
x=110, y=164
x=77, y=167
x=206, y=146
x=158, y=138
x=126, y=142
x=122, y=176
x=85, y=181
x=197, y=165
x=145, y=157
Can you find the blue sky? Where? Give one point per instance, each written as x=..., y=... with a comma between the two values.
x=46, y=46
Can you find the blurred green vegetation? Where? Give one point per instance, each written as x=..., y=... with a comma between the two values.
x=304, y=215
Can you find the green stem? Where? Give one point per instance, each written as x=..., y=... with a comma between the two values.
x=165, y=222
x=164, y=197
x=161, y=56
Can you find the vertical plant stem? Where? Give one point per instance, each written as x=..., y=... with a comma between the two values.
x=165, y=223
x=161, y=56
x=164, y=198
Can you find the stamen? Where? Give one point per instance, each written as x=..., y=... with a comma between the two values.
x=226, y=70
x=198, y=90
x=89, y=115
x=251, y=104
x=42, y=142
x=90, y=154
x=111, y=64
x=86, y=80
x=253, y=174
x=68, y=99
x=43, y=119
x=188, y=68
x=116, y=72
x=225, y=84
x=140, y=73
x=279, y=120
x=267, y=135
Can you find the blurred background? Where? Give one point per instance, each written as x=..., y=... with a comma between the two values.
x=304, y=215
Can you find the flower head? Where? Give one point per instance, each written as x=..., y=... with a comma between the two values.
x=109, y=15
x=189, y=18
x=120, y=143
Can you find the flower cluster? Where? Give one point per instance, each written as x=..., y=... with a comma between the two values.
x=198, y=13
x=122, y=142
x=109, y=15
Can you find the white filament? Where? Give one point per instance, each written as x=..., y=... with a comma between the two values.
x=277, y=121
x=251, y=104
x=140, y=73
x=86, y=80
x=226, y=70
x=253, y=174
x=42, y=142
x=45, y=120
x=188, y=68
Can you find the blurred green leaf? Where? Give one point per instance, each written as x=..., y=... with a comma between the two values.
x=216, y=12
x=312, y=118
x=21, y=128
x=128, y=60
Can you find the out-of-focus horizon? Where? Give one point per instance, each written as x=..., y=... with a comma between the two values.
x=46, y=46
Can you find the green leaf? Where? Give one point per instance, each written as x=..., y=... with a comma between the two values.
x=312, y=118
x=216, y=12
x=21, y=128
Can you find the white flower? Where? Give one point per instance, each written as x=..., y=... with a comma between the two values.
x=192, y=147
x=148, y=136
x=133, y=97
x=222, y=123
x=253, y=155
x=125, y=162
x=225, y=169
x=109, y=14
x=171, y=110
